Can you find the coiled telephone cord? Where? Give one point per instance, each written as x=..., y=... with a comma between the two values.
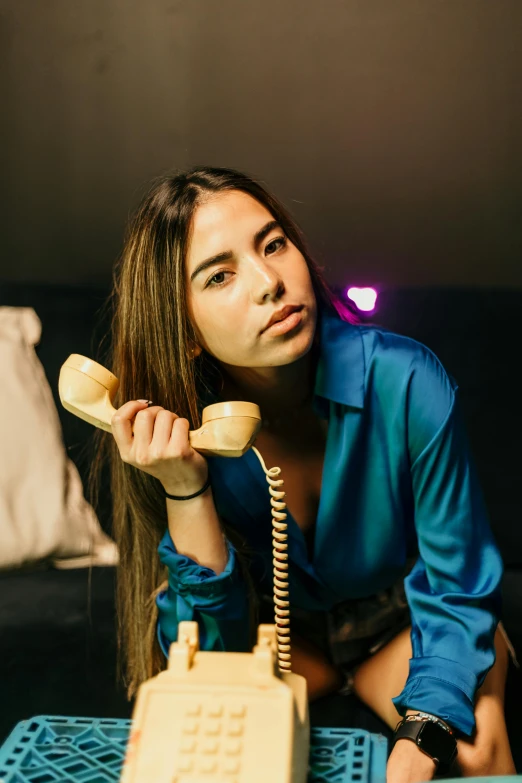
x=280, y=563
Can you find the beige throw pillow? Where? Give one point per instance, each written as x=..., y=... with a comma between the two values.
x=43, y=512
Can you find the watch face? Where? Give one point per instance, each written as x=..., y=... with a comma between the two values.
x=436, y=741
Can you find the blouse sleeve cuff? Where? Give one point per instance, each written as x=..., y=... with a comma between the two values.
x=188, y=576
x=440, y=687
x=217, y=601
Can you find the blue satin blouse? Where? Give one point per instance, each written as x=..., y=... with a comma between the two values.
x=397, y=480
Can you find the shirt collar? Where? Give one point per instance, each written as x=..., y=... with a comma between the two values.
x=341, y=367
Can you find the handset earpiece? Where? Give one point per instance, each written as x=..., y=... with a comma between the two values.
x=87, y=389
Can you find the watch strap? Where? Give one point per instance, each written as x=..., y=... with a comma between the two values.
x=431, y=737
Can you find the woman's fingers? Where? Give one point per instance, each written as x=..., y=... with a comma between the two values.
x=144, y=434
x=163, y=427
x=156, y=441
x=179, y=438
x=122, y=421
x=143, y=431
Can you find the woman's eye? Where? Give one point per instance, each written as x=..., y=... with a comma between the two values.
x=274, y=241
x=216, y=285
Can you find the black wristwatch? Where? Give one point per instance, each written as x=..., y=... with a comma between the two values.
x=431, y=736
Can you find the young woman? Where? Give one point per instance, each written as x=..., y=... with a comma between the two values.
x=394, y=575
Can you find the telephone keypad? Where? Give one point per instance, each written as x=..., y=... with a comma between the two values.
x=214, y=732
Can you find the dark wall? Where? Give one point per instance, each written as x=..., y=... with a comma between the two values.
x=391, y=129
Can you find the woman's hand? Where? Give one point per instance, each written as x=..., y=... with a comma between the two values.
x=408, y=764
x=158, y=444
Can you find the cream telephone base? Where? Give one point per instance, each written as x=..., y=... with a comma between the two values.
x=262, y=732
x=220, y=717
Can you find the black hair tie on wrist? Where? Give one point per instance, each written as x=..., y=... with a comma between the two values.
x=188, y=497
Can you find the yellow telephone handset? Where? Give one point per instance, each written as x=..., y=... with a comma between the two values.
x=87, y=389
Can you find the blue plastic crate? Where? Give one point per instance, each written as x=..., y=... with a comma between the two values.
x=55, y=749
x=48, y=749
x=346, y=755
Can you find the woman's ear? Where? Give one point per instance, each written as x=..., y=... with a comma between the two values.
x=195, y=350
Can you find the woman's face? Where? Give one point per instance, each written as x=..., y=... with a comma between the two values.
x=231, y=301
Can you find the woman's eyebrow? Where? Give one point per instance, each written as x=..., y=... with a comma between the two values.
x=227, y=254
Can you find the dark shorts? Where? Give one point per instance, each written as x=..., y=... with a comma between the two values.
x=352, y=630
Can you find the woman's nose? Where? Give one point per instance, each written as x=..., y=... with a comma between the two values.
x=265, y=281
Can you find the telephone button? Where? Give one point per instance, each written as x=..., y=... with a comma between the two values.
x=237, y=712
x=191, y=726
x=210, y=746
x=208, y=765
x=233, y=747
x=186, y=765
x=231, y=766
x=188, y=745
x=215, y=711
x=194, y=710
x=235, y=728
x=213, y=726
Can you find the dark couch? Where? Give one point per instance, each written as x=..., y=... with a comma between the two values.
x=57, y=649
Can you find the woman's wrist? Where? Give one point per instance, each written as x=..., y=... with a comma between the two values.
x=427, y=734
x=408, y=764
x=181, y=495
x=176, y=497
x=196, y=531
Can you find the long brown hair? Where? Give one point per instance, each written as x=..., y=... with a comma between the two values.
x=149, y=353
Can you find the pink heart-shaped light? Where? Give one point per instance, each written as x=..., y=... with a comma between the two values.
x=364, y=298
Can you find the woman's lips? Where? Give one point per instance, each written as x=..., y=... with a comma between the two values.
x=287, y=324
